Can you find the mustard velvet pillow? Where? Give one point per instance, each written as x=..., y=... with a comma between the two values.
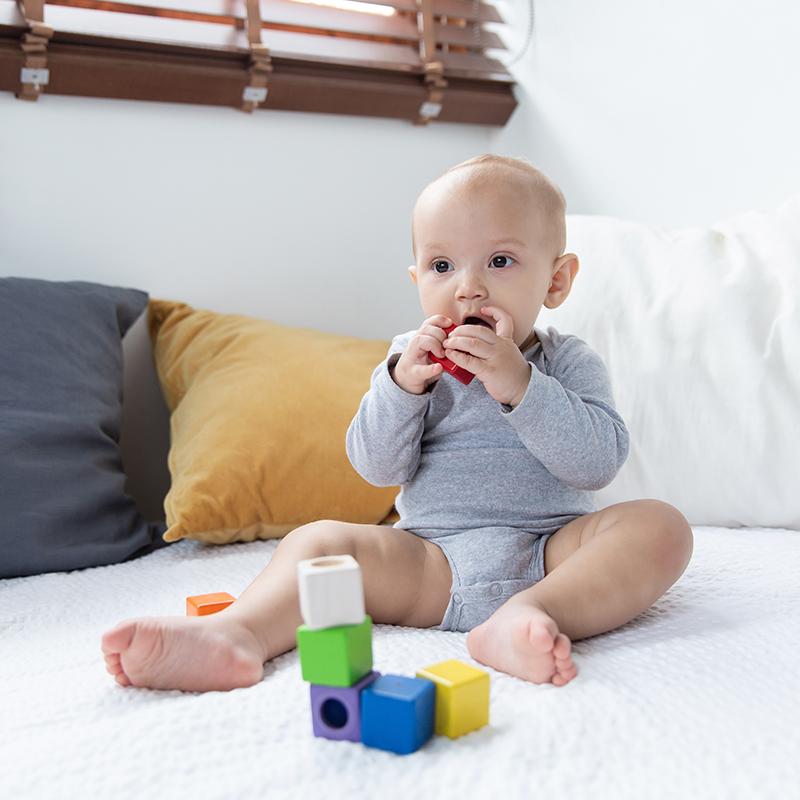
x=259, y=413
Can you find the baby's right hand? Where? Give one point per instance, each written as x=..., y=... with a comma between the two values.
x=413, y=371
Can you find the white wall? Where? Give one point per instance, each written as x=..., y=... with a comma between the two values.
x=304, y=219
x=675, y=112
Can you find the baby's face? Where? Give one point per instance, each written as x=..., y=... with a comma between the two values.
x=480, y=246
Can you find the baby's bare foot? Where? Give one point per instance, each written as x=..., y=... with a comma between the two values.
x=191, y=653
x=524, y=641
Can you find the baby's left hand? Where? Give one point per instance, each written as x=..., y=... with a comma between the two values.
x=492, y=356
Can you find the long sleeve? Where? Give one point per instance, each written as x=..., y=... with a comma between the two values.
x=383, y=440
x=567, y=418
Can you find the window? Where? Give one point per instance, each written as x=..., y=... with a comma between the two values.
x=419, y=60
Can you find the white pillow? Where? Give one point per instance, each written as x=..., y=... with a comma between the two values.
x=700, y=331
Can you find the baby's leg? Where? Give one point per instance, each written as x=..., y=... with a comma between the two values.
x=602, y=570
x=406, y=582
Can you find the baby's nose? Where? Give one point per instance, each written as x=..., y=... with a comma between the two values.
x=471, y=287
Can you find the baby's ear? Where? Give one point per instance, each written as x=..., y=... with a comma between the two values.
x=412, y=271
x=565, y=269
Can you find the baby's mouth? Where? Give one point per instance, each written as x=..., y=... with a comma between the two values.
x=477, y=321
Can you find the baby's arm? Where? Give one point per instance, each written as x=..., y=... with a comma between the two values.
x=568, y=420
x=383, y=440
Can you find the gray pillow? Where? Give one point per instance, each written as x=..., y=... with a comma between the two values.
x=62, y=501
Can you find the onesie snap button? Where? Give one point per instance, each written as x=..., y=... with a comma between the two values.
x=496, y=589
x=456, y=598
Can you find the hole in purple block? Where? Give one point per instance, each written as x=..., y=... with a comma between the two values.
x=334, y=713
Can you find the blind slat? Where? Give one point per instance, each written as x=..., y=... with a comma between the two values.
x=132, y=28
x=302, y=15
x=461, y=9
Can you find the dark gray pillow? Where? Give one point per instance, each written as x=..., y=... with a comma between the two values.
x=62, y=501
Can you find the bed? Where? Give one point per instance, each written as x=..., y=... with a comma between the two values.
x=697, y=697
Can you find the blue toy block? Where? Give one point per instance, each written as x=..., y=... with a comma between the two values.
x=397, y=713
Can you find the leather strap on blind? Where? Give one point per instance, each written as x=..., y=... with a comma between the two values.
x=34, y=73
x=257, y=87
x=435, y=82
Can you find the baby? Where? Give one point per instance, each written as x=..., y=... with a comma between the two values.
x=498, y=535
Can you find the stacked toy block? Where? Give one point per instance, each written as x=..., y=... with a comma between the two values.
x=350, y=700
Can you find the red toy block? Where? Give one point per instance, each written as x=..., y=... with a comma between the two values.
x=200, y=605
x=459, y=373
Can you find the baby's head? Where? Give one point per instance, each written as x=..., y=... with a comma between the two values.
x=491, y=231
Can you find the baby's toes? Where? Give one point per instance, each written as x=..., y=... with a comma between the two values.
x=113, y=663
x=562, y=647
x=565, y=671
x=541, y=634
x=566, y=667
x=114, y=668
x=118, y=639
x=122, y=679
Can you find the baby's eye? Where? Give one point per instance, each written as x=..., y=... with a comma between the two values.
x=440, y=266
x=502, y=261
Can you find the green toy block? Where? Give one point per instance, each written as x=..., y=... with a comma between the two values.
x=337, y=656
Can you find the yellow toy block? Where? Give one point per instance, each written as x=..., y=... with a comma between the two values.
x=462, y=696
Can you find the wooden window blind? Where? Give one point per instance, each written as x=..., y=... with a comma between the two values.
x=419, y=60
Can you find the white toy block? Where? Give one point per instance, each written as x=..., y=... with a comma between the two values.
x=331, y=591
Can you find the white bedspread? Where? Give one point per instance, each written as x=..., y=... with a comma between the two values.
x=696, y=698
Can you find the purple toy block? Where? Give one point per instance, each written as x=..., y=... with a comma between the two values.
x=336, y=710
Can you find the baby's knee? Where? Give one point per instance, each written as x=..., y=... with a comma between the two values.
x=323, y=537
x=674, y=533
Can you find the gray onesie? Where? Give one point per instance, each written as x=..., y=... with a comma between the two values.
x=489, y=485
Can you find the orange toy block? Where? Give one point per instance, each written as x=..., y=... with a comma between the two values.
x=199, y=605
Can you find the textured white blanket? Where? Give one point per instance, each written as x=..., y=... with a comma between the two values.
x=696, y=698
